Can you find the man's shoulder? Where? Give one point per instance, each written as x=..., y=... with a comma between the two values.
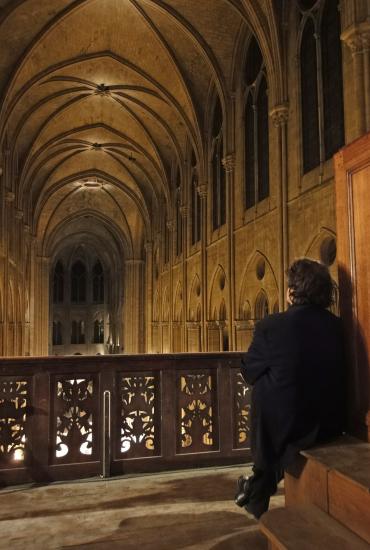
x=273, y=319
x=294, y=313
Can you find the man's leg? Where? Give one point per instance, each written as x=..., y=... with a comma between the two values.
x=254, y=493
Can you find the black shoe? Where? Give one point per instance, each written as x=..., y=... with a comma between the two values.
x=242, y=496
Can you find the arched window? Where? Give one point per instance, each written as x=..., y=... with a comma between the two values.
x=321, y=84
x=218, y=172
x=99, y=331
x=178, y=215
x=250, y=182
x=263, y=140
x=78, y=332
x=98, y=283
x=78, y=282
x=57, y=333
x=256, y=128
x=310, y=102
x=58, y=283
x=195, y=202
x=332, y=79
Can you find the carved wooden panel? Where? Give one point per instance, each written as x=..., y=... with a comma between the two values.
x=74, y=419
x=197, y=415
x=139, y=415
x=242, y=405
x=14, y=412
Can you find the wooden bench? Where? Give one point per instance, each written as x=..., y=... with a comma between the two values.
x=307, y=528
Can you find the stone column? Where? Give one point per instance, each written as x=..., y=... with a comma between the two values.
x=229, y=166
x=8, y=220
x=202, y=191
x=357, y=39
x=19, y=248
x=149, y=294
x=170, y=227
x=133, y=306
x=40, y=325
x=184, y=216
x=279, y=116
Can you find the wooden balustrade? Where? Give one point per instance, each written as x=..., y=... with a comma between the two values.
x=73, y=417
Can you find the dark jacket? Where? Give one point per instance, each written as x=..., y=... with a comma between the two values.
x=296, y=367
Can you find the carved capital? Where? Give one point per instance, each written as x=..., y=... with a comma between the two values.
x=148, y=247
x=9, y=196
x=18, y=214
x=27, y=228
x=202, y=190
x=229, y=162
x=357, y=37
x=134, y=262
x=170, y=225
x=279, y=115
x=184, y=211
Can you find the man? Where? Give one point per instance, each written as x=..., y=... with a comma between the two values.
x=296, y=367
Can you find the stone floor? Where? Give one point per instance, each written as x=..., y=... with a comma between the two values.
x=192, y=510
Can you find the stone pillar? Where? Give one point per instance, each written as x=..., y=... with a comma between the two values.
x=184, y=216
x=229, y=165
x=170, y=227
x=19, y=255
x=40, y=334
x=134, y=306
x=149, y=294
x=9, y=198
x=202, y=190
x=357, y=38
x=280, y=118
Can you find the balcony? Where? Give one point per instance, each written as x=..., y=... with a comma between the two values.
x=64, y=418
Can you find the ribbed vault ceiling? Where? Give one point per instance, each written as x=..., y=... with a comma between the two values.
x=103, y=98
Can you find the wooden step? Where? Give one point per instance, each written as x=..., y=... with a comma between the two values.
x=307, y=528
x=336, y=478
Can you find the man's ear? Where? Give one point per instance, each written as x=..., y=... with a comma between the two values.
x=289, y=296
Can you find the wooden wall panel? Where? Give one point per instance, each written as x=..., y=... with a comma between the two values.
x=352, y=175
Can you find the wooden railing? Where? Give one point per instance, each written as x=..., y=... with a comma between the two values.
x=73, y=417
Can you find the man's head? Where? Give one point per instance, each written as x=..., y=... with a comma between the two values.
x=309, y=282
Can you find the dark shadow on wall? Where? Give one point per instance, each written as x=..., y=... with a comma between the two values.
x=358, y=380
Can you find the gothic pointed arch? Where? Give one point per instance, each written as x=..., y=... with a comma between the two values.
x=258, y=276
x=194, y=299
x=261, y=305
x=218, y=292
x=178, y=304
x=165, y=306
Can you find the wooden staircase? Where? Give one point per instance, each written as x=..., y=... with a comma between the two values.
x=327, y=498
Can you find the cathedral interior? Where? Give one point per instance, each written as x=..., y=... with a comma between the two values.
x=162, y=162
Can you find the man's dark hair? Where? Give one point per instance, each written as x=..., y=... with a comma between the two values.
x=310, y=283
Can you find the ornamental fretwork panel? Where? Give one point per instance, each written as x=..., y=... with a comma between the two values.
x=14, y=409
x=242, y=405
x=197, y=415
x=139, y=416
x=75, y=408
